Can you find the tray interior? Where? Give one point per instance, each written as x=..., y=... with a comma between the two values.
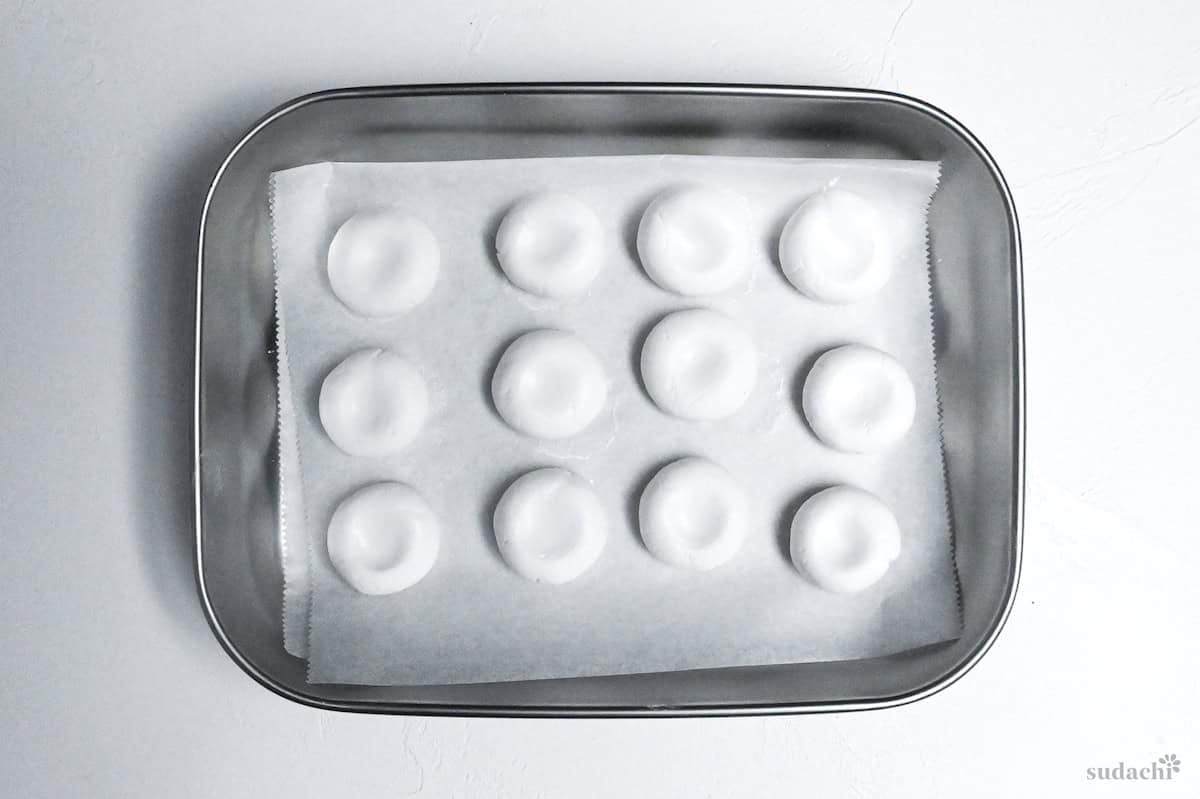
x=975, y=262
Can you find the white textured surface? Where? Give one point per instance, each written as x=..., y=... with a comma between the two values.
x=113, y=116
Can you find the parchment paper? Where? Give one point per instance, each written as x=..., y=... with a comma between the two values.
x=472, y=619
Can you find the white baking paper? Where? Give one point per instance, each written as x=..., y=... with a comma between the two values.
x=472, y=619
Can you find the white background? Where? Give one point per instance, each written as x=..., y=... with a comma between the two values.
x=113, y=116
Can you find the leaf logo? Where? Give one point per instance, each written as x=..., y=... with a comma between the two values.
x=1170, y=762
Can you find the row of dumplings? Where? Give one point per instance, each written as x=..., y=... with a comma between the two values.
x=692, y=240
x=695, y=364
x=550, y=526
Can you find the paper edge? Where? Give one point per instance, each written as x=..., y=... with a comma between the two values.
x=294, y=559
x=934, y=338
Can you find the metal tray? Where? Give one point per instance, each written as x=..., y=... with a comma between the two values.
x=976, y=261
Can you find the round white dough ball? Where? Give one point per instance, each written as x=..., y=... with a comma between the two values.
x=693, y=514
x=699, y=364
x=696, y=240
x=383, y=538
x=550, y=245
x=858, y=399
x=835, y=249
x=549, y=384
x=845, y=539
x=383, y=263
x=550, y=526
x=373, y=403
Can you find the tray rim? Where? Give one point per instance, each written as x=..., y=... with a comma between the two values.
x=614, y=711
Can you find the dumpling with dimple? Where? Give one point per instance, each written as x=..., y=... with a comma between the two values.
x=550, y=526
x=383, y=263
x=383, y=538
x=858, y=399
x=550, y=385
x=845, y=539
x=693, y=514
x=373, y=403
x=695, y=240
x=550, y=245
x=834, y=248
x=699, y=364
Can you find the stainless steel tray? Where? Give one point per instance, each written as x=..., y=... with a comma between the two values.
x=976, y=261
